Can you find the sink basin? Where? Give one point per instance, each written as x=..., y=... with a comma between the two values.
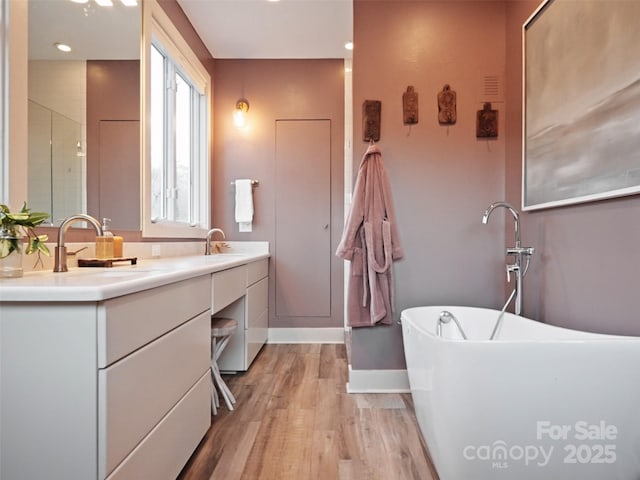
x=124, y=273
x=116, y=271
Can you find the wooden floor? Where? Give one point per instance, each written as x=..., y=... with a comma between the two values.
x=294, y=420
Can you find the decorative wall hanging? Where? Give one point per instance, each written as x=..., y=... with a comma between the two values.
x=582, y=103
x=487, y=122
x=447, y=106
x=371, y=116
x=410, y=106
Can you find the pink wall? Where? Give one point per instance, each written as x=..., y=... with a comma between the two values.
x=587, y=256
x=442, y=177
x=276, y=90
x=113, y=93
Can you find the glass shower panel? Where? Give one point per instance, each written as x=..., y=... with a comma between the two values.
x=56, y=168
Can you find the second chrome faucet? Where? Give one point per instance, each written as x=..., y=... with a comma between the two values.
x=516, y=251
x=60, y=260
x=209, y=239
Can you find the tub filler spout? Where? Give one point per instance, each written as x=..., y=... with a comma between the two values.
x=446, y=317
x=518, y=252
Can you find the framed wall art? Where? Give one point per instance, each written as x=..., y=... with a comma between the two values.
x=581, y=95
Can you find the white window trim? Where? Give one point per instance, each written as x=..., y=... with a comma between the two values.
x=4, y=95
x=13, y=188
x=156, y=24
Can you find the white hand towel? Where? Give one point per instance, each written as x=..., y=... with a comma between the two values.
x=244, y=204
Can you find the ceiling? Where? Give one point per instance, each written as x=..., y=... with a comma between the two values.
x=268, y=29
x=229, y=28
x=93, y=32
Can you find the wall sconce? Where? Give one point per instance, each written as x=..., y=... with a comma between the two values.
x=79, y=151
x=240, y=113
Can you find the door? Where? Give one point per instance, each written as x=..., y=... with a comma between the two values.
x=120, y=173
x=303, y=254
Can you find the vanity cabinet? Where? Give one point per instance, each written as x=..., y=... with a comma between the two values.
x=153, y=359
x=248, y=304
x=114, y=389
x=105, y=373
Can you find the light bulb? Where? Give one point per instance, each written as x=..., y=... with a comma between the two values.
x=239, y=118
x=240, y=113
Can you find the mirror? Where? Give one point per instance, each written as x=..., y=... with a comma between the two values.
x=84, y=110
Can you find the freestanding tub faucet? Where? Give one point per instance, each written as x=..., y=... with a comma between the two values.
x=60, y=261
x=209, y=238
x=517, y=251
x=514, y=213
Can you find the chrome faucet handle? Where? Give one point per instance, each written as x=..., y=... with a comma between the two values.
x=511, y=268
x=70, y=254
x=520, y=251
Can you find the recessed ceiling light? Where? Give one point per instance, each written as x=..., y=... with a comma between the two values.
x=129, y=3
x=80, y=1
x=62, y=47
x=105, y=3
x=348, y=45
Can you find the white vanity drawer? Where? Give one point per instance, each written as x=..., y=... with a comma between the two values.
x=129, y=322
x=227, y=286
x=163, y=453
x=257, y=303
x=257, y=318
x=136, y=392
x=257, y=270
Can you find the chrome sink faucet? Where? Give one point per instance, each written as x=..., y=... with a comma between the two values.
x=209, y=238
x=517, y=251
x=60, y=261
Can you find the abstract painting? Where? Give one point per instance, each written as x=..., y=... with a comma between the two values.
x=581, y=102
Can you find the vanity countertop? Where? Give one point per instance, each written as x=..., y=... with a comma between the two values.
x=91, y=284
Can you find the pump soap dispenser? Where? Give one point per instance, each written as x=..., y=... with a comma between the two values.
x=104, y=243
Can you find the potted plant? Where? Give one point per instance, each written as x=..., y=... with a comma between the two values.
x=13, y=227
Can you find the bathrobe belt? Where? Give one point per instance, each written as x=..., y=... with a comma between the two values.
x=371, y=265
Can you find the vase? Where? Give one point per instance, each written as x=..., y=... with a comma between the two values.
x=11, y=265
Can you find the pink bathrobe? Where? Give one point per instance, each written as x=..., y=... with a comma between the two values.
x=370, y=241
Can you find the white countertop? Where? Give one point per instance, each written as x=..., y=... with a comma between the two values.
x=91, y=284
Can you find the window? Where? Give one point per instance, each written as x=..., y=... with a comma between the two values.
x=176, y=174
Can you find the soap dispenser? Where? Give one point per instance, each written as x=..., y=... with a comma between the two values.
x=104, y=243
x=117, y=246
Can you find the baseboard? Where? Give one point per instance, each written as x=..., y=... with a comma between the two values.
x=306, y=335
x=378, y=381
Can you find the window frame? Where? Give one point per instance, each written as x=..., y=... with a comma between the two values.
x=158, y=28
x=4, y=95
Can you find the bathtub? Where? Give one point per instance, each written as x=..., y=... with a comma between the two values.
x=539, y=402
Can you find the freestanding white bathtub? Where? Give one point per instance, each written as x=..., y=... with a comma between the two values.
x=539, y=402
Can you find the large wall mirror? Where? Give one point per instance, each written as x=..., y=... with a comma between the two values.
x=84, y=110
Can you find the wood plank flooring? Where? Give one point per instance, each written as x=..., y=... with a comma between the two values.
x=294, y=420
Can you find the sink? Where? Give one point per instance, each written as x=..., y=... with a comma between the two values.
x=116, y=271
x=224, y=257
x=124, y=273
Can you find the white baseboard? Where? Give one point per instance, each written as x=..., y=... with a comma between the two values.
x=306, y=335
x=378, y=381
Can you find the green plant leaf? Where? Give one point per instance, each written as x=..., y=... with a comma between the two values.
x=8, y=245
x=36, y=244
